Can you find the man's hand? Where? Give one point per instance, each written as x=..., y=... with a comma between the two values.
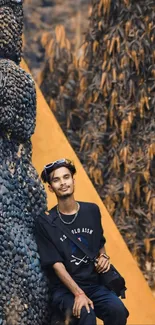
x=102, y=264
x=80, y=301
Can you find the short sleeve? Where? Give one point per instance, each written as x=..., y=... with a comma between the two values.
x=49, y=255
x=101, y=232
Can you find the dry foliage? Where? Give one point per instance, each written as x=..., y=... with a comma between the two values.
x=106, y=105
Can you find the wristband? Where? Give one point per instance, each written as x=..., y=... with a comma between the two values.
x=105, y=255
x=79, y=294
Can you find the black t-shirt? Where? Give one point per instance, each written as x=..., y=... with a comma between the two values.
x=54, y=246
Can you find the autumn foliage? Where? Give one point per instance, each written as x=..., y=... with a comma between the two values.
x=104, y=98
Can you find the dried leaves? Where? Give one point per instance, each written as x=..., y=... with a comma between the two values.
x=114, y=97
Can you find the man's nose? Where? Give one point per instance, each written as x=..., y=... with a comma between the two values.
x=62, y=181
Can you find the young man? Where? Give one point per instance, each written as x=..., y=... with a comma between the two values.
x=73, y=278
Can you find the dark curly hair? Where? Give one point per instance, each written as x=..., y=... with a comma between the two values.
x=45, y=175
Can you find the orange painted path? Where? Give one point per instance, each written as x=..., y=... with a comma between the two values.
x=49, y=143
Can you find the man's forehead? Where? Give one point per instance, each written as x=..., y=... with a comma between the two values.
x=61, y=171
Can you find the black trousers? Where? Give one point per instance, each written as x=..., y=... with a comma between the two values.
x=107, y=306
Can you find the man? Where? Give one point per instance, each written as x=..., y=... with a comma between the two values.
x=74, y=279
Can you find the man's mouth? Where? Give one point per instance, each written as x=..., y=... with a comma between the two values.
x=64, y=189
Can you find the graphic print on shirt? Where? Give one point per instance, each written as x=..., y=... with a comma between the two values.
x=77, y=260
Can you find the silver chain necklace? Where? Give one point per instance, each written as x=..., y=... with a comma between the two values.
x=70, y=222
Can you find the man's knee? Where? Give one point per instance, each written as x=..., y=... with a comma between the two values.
x=118, y=312
x=85, y=315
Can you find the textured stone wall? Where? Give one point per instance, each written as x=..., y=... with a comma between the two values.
x=23, y=286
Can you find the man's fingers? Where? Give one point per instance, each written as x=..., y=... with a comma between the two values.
x=107, y=269
x=101, y=262
x=104, y=270
x=75, y=309
x=79, y=304
x=79, y=312
x=88, y=308
x=103, y=265
x=91, y=304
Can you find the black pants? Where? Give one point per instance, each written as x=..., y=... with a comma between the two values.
x=107, y=306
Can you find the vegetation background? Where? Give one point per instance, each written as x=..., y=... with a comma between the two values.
x=95, y=63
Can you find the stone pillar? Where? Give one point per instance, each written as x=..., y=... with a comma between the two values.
x=24, y=292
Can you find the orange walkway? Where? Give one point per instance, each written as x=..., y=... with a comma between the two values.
x=49, y=143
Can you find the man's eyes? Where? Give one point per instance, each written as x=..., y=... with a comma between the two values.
x=66, y=176
x=55, y=180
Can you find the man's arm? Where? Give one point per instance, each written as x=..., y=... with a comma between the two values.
x=102, y=250
x=49, y=255
x=67, y=280
x=103, y=261
x=80, y=298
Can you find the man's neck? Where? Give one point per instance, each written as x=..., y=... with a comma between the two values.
x=67, y=206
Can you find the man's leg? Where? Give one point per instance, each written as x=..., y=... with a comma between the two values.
x=107, y=305
x=63, y=300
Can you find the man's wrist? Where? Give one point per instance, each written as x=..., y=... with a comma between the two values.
x=105, y=256
x=78, y=291
x=79, y=294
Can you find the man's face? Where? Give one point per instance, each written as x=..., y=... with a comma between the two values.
x=62, y=182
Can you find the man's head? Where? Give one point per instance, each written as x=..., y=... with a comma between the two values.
x=59, y=175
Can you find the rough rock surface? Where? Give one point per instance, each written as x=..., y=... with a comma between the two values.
x=23, y=286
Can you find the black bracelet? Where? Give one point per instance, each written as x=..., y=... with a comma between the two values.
x=105, y=255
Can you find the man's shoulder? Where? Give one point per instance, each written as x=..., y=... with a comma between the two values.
x=52, y=210
x=89, y=205
x=45, y=215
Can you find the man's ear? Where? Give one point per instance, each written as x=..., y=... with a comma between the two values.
x=50, y=188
